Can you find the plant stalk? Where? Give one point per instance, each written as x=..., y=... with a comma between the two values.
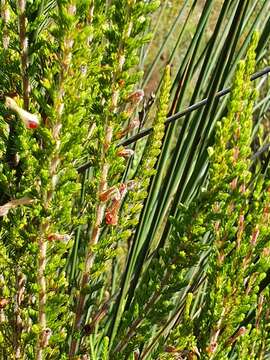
x=24, y=52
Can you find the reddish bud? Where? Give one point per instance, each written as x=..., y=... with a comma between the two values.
x=135, y=123
x=45, y=337
x=111, y=217
x=216, y=208
x=131, y=184
x=111, y=214
x=242, y=189
x=241, y=221
x=136, y=354
x=31, y=121
x=59, y=237
x=32, y=125
x=255, y=236
x=108, y=194
x=136, y=97
x=123, y=189
x=233, y=184
x=3, y=303
x=170, y=349
x=122, y=82
x=125, y=153
x=242, y=330
x=212, y=347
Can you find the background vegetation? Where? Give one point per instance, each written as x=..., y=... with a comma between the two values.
x=115, y=245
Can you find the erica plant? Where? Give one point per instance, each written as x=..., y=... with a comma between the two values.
x=116, y=249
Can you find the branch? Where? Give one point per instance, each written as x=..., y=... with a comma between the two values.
x=24, y=52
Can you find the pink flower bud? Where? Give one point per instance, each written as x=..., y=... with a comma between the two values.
x=31, y=121
x=22, y=4
x=242, y=189
x=131, y=184
x=135, y=123
x=108, y=194
x=123, y=189
x=136, y=97
x=216, y=208
x=71, y=9
x=241, y=221
x=136, y=354
x=233, y=184
x=45, y=337
x=111, y=218
x=6, y=15
x=255, y=236
x=125, y=153
x=242, y=330
x=3, y=303
x=111, y=214
x=59, y=237
x=212, y=347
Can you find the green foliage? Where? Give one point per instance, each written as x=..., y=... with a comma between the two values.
x=236, y=214
x=139, y=252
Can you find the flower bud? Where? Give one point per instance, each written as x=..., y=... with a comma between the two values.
x=233, y=184
x=108, y=194
x=131, y=184
x=111, y=217
x=31, y=121
x=212, y=347
x=254, y=237
x=59, y=237
x=242, y=330
x=125, y=153
x=111, y=214
x=122, y=190
x=71, y=9
x=136, y=97
x=134, y=123
x=46, y=334
x=3, y=303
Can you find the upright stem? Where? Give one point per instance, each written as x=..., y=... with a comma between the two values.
x=89, y=258
x=100, y=208
x=55, y=160
x=42, y=294
x=20, y=286
x=24, y=52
